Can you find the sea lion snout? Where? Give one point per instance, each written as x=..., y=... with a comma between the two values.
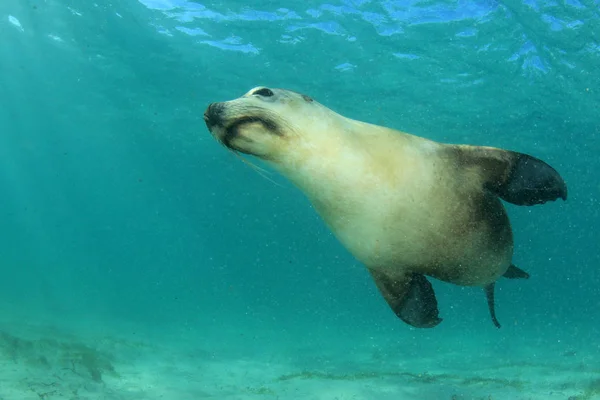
x=213, y=116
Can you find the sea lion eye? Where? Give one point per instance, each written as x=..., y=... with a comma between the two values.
x=264, y=92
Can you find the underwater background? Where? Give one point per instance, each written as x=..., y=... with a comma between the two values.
x=140, y=260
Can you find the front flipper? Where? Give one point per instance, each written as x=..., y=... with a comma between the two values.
x=410, y=296
x=514, y=177
x=489, y=294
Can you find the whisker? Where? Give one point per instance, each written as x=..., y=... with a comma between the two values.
x=261, y=171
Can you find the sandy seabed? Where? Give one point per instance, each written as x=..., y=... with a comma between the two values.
x=40, y=362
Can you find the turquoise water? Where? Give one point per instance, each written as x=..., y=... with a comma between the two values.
x=122, y=218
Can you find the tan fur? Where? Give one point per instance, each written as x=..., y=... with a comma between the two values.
x=396, y=201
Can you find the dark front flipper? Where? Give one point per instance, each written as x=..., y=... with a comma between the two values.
x=514, y=177
x=489, y=293
x=410, y=296
x=515, y=273
x=529, y=182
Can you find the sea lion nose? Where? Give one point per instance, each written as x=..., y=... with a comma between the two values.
x=214, y=115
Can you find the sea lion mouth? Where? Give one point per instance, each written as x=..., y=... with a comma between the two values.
x=232, y=130
x=266, y=123
x=228, y=128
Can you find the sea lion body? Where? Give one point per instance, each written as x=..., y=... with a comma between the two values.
x=405, y=206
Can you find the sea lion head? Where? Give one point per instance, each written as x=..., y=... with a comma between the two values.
x=263, y=121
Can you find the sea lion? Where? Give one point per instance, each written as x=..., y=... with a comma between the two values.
x=406, y=207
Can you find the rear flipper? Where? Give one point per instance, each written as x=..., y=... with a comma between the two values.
x=514, y=177
x=489, y=294
x=511, y=273
x=515, y=273
x=410, y=296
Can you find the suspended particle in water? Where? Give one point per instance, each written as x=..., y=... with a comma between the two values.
x=15, y=22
